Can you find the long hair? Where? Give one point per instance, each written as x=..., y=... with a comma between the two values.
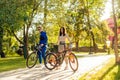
x=62, y=32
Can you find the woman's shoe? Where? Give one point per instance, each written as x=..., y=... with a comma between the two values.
x=66, y=68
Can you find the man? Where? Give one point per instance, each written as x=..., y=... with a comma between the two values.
x=42, y=43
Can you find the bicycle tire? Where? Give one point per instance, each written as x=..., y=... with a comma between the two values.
x=73, y=61
x=50, y=61
x=32, y=60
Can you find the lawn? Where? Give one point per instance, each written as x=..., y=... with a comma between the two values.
x=11, y=63
x=110, y=71
x=113, y=74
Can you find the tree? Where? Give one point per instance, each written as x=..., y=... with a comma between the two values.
x=115, y=32
x=80, y=17
x=17, y=15
x=85, y=15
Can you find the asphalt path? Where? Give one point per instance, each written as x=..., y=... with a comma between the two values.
x=86, y=64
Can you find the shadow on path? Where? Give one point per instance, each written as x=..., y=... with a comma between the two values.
x=37, y=74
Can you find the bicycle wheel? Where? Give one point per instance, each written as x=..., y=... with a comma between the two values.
x=50, y=61
x=73, y=61
x=32, y=60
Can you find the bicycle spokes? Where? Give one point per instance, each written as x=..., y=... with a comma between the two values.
x=31, y=60
x=51, y=61
x=73, y=62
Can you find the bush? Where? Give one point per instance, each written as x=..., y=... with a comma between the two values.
x=19, y=52
x=2, y=54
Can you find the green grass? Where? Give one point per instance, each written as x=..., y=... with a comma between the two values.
x=114, y=74
x=108, y=72
x=11, y=63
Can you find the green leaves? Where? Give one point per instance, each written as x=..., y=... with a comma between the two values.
x=14, y=14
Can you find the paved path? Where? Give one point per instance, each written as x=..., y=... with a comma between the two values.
x=85, y=64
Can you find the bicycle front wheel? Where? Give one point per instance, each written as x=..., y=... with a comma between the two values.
x=32, y=60
x=50, y=61
x=73, y=61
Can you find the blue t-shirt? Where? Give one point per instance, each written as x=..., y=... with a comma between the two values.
x=43, y=38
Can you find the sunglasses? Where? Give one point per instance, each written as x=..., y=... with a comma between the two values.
x=39, y=28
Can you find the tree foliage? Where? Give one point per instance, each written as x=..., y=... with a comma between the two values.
x=79, y=17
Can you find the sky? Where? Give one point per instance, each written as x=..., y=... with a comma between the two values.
x=108, y=9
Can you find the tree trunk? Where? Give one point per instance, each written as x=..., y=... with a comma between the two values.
x=77, y=45
x=45, y=13
x=25, y=41
x=115, y=32
x=90, y=32
x=94, y=44
x=2, y=54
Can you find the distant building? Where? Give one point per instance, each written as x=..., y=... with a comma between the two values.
x=110, y=22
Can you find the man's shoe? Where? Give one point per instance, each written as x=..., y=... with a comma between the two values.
x=39, y=66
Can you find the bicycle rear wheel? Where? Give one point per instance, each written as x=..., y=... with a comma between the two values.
x=73, y=61
x=50, y=61
x=32, y=60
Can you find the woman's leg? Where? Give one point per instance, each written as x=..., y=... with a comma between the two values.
x=66, y=62
x=66, y=58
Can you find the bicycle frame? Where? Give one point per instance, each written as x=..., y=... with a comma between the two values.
x=63, y=54
x=38, y=48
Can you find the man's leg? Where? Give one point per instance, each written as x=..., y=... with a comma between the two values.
x=43, y=53
x=40, y=57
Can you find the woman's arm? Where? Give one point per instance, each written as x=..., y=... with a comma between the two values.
x=68, y=38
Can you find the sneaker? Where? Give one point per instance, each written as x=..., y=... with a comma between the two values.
x=42, y=66
x=39, y=66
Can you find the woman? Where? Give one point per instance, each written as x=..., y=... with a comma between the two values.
x=61, y=43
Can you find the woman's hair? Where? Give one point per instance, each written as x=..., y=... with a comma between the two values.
x=62, y=32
